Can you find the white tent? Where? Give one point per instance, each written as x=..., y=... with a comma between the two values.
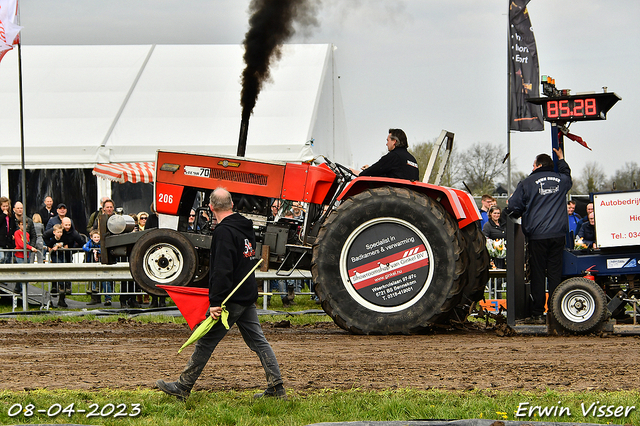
x=115, y=104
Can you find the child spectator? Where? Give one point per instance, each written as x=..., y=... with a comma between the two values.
x=92, y=249
x=55, y=244
x=18, y=238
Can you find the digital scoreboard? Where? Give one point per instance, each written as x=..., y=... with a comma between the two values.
x=584, y=107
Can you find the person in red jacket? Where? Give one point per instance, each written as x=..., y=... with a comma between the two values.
x=19, y=241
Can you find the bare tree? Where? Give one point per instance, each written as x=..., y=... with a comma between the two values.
x=592, y=179
x=482, y=167
x=517, y=176
x=628, y=177
x=422, y=151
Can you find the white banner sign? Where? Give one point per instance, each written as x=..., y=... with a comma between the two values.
x=617, y=219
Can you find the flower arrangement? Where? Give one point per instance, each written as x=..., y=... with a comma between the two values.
x=497, y=248
x=578, y=244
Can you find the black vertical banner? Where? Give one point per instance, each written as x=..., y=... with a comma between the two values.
x=524, y=74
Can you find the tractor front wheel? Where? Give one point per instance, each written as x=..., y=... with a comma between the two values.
x=162, y=256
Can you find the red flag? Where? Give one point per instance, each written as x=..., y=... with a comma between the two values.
x=193, y=302
x=9, y=30
x=578, y=139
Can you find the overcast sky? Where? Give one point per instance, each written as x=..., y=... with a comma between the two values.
x=422, y=65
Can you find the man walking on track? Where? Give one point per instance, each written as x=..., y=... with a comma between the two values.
x=232, y=248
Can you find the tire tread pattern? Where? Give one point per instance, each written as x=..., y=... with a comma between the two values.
x=333, y=233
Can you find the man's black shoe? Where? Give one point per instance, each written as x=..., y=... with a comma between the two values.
x=277, y=392
x=539, y=319
x=535, y=320
x=173, y=389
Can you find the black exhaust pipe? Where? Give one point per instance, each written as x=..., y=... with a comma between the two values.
x=242, y=142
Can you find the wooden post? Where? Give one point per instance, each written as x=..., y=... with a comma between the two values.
x=265, y=256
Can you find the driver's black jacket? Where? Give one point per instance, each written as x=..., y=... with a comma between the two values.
x=397, y=163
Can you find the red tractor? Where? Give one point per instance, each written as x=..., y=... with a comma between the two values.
x=387, y=255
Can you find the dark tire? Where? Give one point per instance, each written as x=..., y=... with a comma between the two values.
x=579, y=305
x=162, y=256
x=477, y=271
x=388, y=261
x=201, y=276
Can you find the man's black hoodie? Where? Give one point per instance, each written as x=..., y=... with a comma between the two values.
x=232, y=248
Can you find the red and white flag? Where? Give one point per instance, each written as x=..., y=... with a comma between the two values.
x=9, y=30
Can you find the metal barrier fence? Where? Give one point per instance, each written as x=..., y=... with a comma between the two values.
x=13, y=271
x=497, y=288
x=85, y=273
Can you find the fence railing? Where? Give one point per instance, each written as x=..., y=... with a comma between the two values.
x=96, y=272
x=92, y=272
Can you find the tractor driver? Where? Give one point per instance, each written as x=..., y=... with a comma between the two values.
x=398, y=163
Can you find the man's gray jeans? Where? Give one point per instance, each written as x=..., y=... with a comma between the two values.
x=246, y=318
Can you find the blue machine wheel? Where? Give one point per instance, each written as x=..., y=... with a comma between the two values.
x=579, y=305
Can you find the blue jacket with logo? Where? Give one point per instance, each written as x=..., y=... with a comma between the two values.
x=541, y=201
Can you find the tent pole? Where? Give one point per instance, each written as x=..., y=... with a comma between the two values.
x=126, y=98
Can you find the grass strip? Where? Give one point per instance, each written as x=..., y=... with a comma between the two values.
x=111, y=407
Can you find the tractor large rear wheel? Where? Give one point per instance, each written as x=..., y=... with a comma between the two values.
x=162, y=256
x=388, y=261
x=477, y=271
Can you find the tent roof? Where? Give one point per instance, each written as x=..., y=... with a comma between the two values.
x=100, y=104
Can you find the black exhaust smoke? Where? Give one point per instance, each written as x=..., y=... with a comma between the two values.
x=270, y=25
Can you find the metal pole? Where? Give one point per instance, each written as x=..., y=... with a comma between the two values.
x=508, y=105
x=25, y=303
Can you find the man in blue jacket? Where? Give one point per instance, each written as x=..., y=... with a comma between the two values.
x=540, y=200
x=232, y=248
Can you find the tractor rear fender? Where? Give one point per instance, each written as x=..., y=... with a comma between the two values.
x=458, y=203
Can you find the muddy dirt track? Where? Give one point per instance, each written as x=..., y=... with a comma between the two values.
x=128, y=354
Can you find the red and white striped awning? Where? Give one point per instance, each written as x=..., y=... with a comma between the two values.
x=126, y=172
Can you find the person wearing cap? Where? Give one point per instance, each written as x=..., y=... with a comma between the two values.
x=62, y=213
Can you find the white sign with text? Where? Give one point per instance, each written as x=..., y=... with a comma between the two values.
x=617, y=219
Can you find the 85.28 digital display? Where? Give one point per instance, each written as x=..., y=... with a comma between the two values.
x=583, y=107
x=571, y=109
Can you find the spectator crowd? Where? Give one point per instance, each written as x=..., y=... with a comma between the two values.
x=50, y=235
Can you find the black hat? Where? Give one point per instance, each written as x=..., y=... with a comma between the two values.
x=61, y=206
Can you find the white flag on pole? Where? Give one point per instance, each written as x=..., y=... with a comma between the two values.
x=9, y=30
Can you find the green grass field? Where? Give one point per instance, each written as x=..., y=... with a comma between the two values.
x=144, y=407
